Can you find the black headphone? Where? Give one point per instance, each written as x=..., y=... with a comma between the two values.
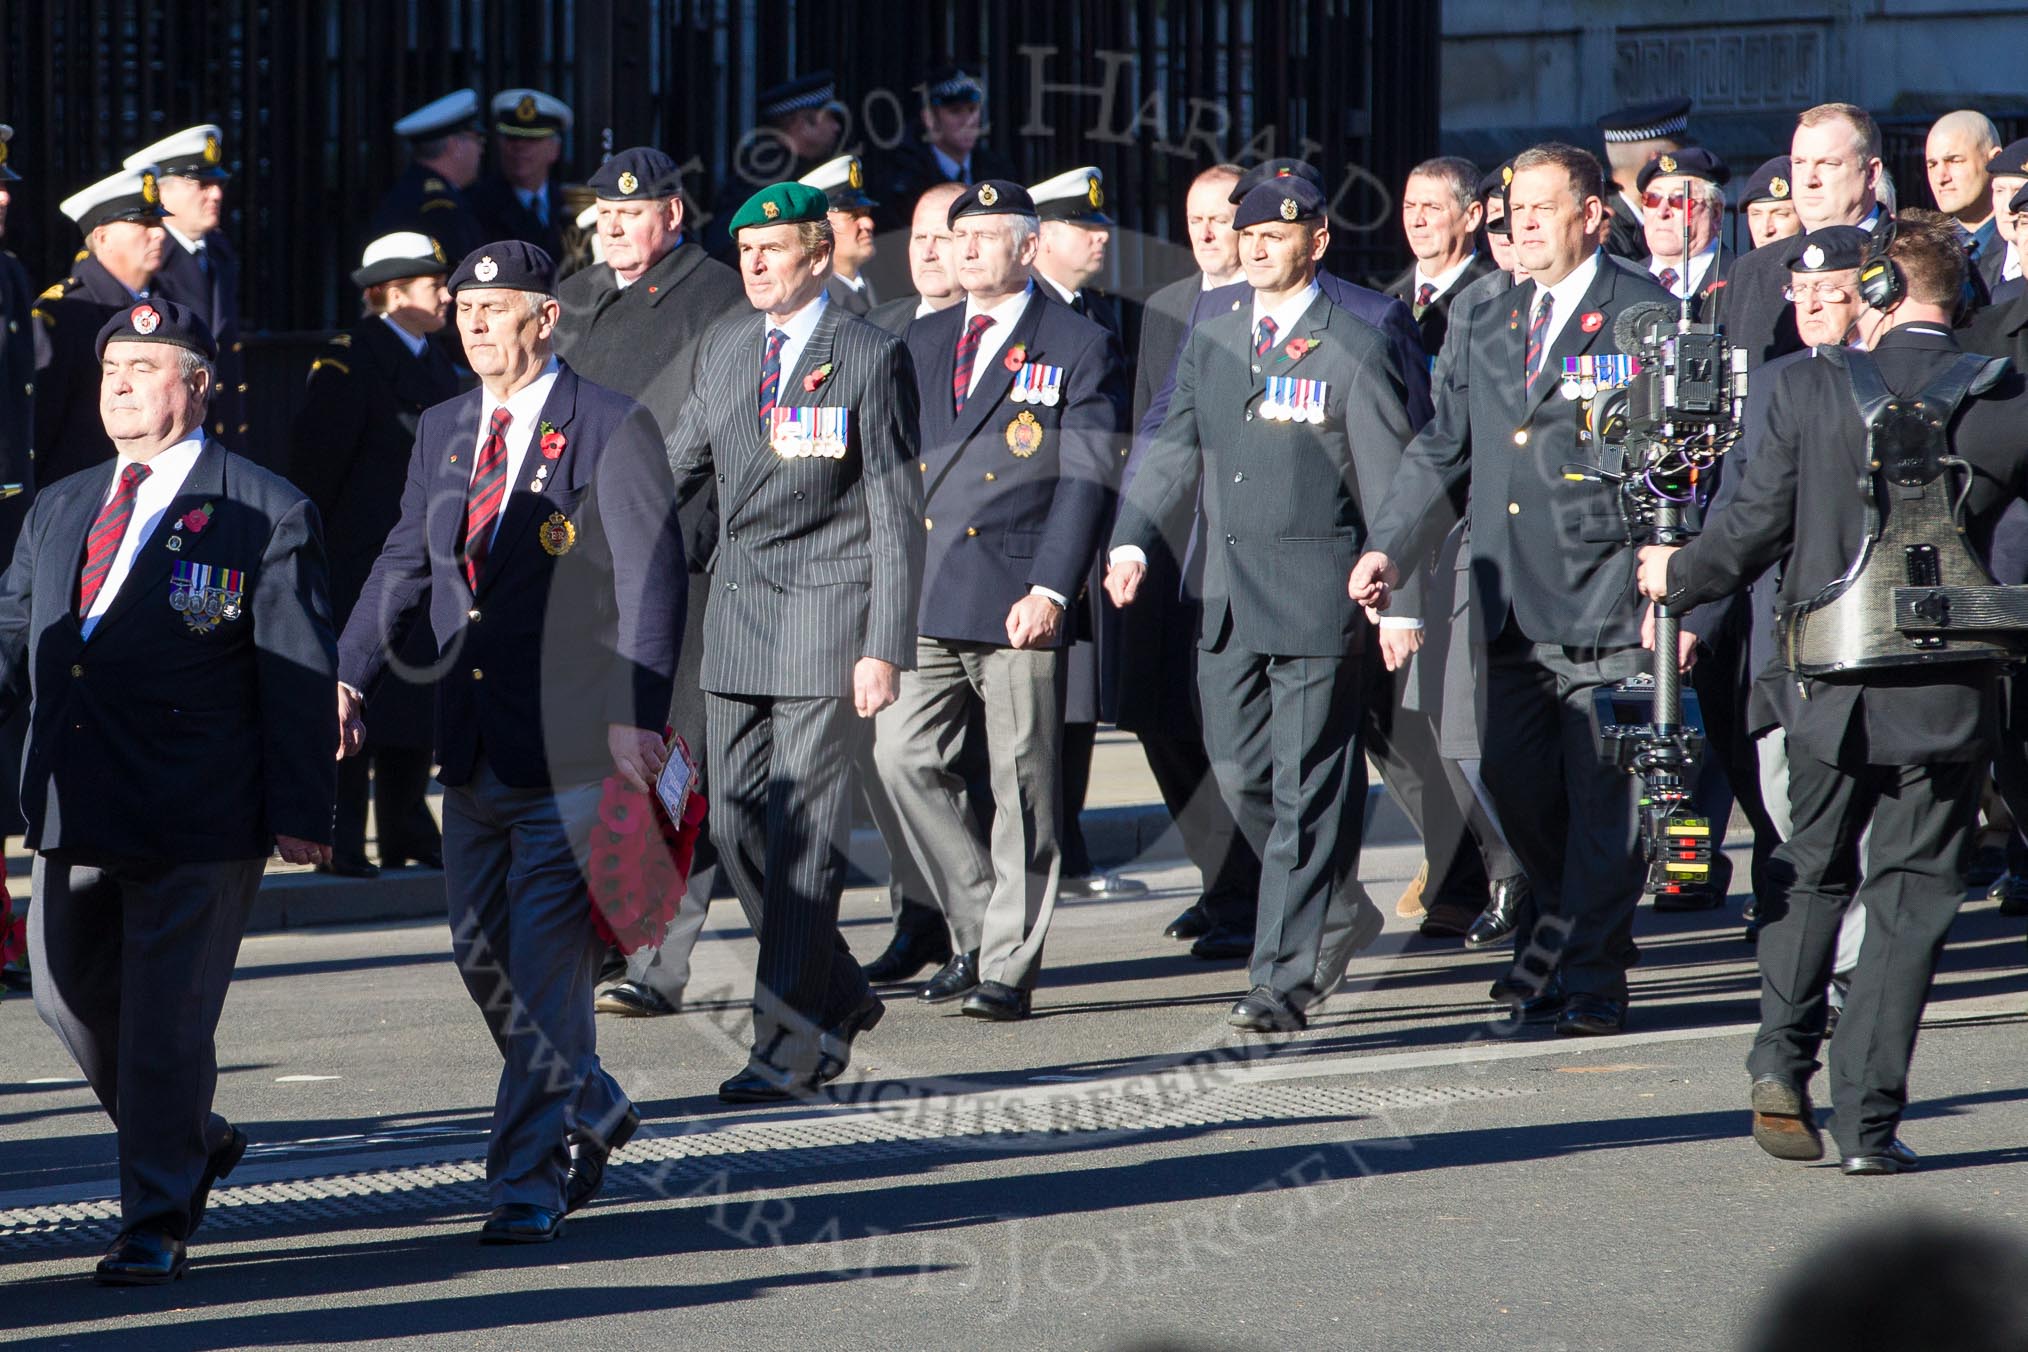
x=1882, y=285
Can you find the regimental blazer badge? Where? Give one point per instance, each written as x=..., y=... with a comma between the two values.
x=557, y=535
x=1024, y=435
x=206, y=596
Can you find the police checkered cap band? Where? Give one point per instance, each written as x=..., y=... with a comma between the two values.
x=1653, y=131
x=958, y=86
x=820, y=97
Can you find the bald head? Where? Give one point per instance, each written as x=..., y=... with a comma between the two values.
x=1956, y=154
x=929, y=246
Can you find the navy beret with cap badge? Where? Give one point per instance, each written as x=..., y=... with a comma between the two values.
x=1835, y=248
x=1770, y=183
x=1285, y=200
x=994, y=197
x=1269, y=170
x=158, y=321
x=1689, y=162
x=637, y=174
x=509, y=265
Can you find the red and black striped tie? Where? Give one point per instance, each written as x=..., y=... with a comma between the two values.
x=771, y=375
x=107, y=532
x=489, y=490
x=1538, y=329
x=1263, y=337
x=968, y=352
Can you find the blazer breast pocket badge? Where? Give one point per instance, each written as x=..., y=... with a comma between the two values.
x=556, y=535
x=206, y=596
x=1024, y=435
x=804, y=433
x=1035, y=383
x=1290, y=399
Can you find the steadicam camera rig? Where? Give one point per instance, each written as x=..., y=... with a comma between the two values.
x=1655, y=420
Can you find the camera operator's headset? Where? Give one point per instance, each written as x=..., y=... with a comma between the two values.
x=1882, y=284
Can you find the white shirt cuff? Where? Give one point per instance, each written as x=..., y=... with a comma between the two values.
x=1399, y=622
x=357, y=693
x=1061, y=601
x=1128, y=554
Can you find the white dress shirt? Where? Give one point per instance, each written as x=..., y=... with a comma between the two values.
x=1006, y=314
x=189, y=245
x=413, y=342
x=1286, y=315
x=1566, y=297
x=166, y=473
x=1686, y=282
x=961, y=173
x=1443, y=281
x=798, y=327
x=1067, y=296
x=526, y=406
x=2011, y=268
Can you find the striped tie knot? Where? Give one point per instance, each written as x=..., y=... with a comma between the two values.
x=968, y=354
x=110, y=528
x=1424, y=294
x=771, y=374
x=1668, y=279
x=1263, y=337
x=1538, y=329
x=487, y=495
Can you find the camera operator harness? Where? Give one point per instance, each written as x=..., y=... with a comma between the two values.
x=1916, y=595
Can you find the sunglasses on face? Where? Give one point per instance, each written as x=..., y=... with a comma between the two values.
x=1830, y=293
x=1675, y=201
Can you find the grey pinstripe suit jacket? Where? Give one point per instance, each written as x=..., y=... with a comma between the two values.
x=818, y=562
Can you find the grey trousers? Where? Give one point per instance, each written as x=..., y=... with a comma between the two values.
x=522, y=936
x=998, y=891
x=1282, y=733
x=131, y=962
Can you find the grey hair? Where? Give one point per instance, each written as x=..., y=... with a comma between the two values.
x=538, y=299
x=1457, y=173
x=1023, y=227
x=190, y=362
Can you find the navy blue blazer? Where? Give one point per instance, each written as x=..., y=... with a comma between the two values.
x=154, y=738
x=579, y=610
x=1015, y=495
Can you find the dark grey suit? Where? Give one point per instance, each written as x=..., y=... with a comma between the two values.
x=1553, y=598
x=1281, y=666
x=818, y=563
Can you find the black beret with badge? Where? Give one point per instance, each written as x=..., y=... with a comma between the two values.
x=1497, y=181
x=2019, y=202
x=158, y=321
x=2011, y=162
x=507, y=265
x=1268, y=170
x=994, y=197
x=1283, y=200
x=1835, y=248
x=1770, y=183
x=1689, y=162
x=638, y=174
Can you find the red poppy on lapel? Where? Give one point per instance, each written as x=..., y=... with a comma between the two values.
x=1591, y=321
x=1296, y=347
x=196, y=519
x=816, y=378
x=1016, y=357
x=552, y=442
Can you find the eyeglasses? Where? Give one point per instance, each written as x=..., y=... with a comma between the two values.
x=1676, y=201
x=1830, y=293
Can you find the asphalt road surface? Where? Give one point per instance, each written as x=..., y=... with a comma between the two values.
x=1120, y=1171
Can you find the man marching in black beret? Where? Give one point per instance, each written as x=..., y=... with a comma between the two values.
x=539, y=517
x=165, y=618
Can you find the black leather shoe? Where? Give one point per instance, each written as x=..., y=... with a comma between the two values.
x=1221, y=943
x=751, y=1086
x=222, y=1162
x=1592, y=1016
x=835, y=1047
x=957, y=978
x=350, y=865
x=1265, y=1010
x=1502, y=913
x=632, y=1000
x=588, y=1161
x=2011, y=892
x=908, y=952
x=1784, y=1120
x=1194, y=923
x=1896, y=1159
x=1544, y=1008
x=996, y=1001
x=1334, y=958
x=521, y=1223
x=142, y=1258
x=1448, y=920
